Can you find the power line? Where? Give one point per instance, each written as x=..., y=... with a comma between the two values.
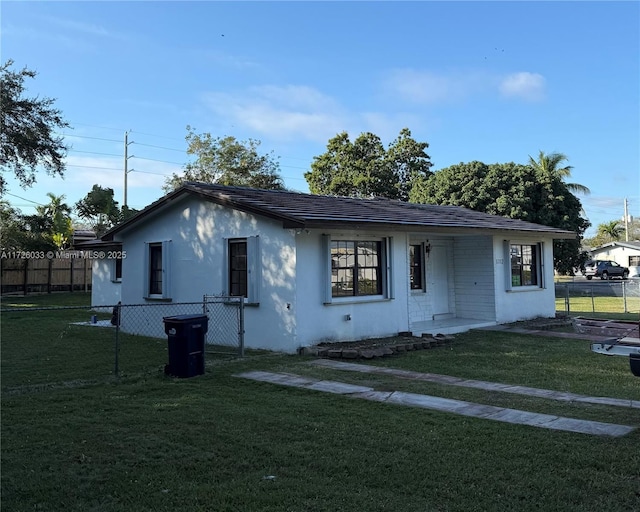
x=154, y=160
x=87, y=137
x=94, y=153
x=159, y=147
x=25, y=199
x=95, y=167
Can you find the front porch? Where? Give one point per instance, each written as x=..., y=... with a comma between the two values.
x=448, y=325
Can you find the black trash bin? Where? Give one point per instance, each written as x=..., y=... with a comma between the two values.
x=185, y=338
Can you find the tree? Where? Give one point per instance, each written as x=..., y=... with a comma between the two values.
x=12, y=228
x=515, y=191
x=100, y=209
x=58, y=213
x=27, y=127
x=227, y=161
x=611, y=230
x=550, y=164
x=363, y=168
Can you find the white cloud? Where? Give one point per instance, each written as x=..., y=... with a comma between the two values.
x=85, y=28
x=281, y=112
x=524, y=85
x=428, y=87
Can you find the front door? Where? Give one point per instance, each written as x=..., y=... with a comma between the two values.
x=439, y=279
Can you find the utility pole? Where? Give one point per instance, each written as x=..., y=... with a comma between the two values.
x=626, y=220
x=126, y=164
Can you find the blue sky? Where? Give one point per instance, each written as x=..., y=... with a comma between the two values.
x=488, y=81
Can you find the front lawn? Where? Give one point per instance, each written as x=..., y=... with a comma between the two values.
x=77, y=439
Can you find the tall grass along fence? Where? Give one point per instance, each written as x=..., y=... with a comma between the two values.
x=89, y=343
x=598, y=297
x=48, y=275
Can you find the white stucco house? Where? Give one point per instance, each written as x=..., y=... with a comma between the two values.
x=626, y=254
x=322, y=268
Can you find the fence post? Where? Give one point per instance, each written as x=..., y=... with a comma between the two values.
x=624, y=295
x=593, y=302
x=116, y=316
x=567, y=307
x=71, y=274
x=241, y=330
x=25, y=277
x=49, y=275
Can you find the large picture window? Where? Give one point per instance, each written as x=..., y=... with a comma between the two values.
x=634, y=261
x=525, y=268
x=356, y=268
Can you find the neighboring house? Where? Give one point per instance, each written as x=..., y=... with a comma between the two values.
x=321, y=268
x=626, y=254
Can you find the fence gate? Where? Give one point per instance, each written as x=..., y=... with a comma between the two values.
x=226, y=323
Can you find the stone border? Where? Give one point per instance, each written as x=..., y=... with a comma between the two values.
x=375, y=351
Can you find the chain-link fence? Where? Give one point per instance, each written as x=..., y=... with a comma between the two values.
x=598, y=297
x=76, y=343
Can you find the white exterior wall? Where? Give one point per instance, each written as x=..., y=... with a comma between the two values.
x=292, y=312
x=474, y=277
x=525, y=302
x=369, y=317
x=105, y=291
x=197, y=231
x=421, y=302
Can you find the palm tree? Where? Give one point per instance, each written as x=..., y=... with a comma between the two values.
x=550, y=164
x=59, y=212
x=611, y=229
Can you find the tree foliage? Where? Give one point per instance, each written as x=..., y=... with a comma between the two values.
x=57, y=216
x=100, y=209
x=364, y=168
x=511, y=190
x=227, y=161
x=27, y=126
x=552, y=164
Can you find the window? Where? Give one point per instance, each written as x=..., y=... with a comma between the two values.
x=156, y=270
x=416, y=268
x=634, y=261
x=117, y=269
x=356, y=268
x=238, y=268
x=243, y=268
x=525, y=269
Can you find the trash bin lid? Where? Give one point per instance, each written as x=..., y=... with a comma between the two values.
x=184, y=318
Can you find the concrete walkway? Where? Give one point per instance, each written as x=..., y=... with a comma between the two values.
x=477, y=384
x=488, y=412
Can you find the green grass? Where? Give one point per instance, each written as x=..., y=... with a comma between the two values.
x=88, y=441
x=601, y=307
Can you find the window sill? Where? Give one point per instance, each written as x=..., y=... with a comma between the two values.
x=337, y=301
x=157, y=298
x=116, y=281
x=517, y=289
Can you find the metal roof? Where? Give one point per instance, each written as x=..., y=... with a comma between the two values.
x=298, y=210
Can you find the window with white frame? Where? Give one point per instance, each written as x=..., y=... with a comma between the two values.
x=117, y=270
x=525, y=265
x=416, y=266
x=156, y=272
x=634, y=261
x=243, y=268
x=238, y=268
x=357, y=269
